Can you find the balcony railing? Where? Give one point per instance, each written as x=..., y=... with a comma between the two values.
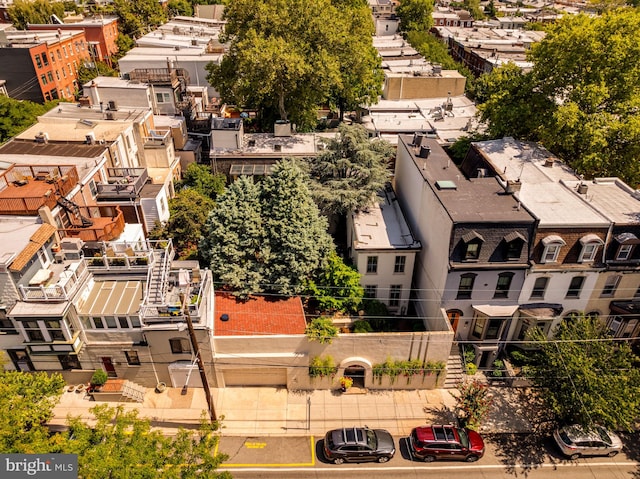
x=137, y=261
x=156, y=138
x=25, y=189
x=123, y=183
x=68, y=282
x=103, y=228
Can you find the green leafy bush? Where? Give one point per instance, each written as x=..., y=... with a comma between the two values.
x=362, y=326
x=99, y=377
x=471, y=368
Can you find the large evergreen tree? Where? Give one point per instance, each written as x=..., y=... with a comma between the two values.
x=233, y=245
x=350, y=172
x=586, y=377
x=267, y=236
x=286, y=57
x=297, y=238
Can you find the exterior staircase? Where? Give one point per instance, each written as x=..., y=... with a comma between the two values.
x=133, y=391
x=158, y=283
x=455, y=368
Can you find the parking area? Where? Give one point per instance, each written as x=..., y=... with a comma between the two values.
x=268, y=451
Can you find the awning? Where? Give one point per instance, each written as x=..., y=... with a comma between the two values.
x=591, y=238
x=553, y=239
x=541, y=310
x=472, y=235
x=496, y=311
x=514, y=235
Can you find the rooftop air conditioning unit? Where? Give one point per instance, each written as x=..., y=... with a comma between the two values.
x=113, y=105
x=109, y=115
x=90, y=138
x=42, y=137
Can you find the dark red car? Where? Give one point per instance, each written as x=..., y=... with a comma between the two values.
x=445, y=442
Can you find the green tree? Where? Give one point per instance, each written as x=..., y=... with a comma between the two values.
x=475, y=9
x=88, y=73
x=337, y=287
x=585, y=377
x=258, y=239
x=234, y=238
x=180, y=7
x=113, y=447
x=490, y=9
x=286, y=57
x=322, y=330
x=473, y=402
x=415, y=15
x=27, y=401
x=581, y=97
x=350, y=172
x=18, y=115
x=188, y=211
x=23, y=12
x=509, y=105
x=124, y=43
x=297, y=243
x=201, y=179
x=139, y=17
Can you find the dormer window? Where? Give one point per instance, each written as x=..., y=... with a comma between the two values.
x=590, y=244
x=627, y=242
x=552, y=245
x=473, y=242
x=513, y=245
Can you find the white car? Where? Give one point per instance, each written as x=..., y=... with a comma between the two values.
x=576, y=441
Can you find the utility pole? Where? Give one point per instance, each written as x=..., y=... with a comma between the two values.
x=196, y=350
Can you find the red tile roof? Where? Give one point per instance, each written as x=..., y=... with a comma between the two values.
x=258, y=315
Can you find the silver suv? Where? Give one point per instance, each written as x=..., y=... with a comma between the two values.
x=576, y=441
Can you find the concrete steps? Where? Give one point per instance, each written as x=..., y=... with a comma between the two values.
x=455, y=369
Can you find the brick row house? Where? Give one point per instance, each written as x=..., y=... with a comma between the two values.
x=42, y=66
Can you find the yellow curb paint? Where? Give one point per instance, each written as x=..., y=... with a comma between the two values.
x=299, y=464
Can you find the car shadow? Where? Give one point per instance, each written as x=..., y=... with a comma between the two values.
x=403, y=449
x=631, y=448
x=320, y=452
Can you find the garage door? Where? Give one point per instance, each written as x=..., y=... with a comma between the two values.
x=256, y=377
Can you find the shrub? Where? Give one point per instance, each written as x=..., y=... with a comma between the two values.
x=322, y=330
x=471, y=368
x=473, y=403
x=498, y=368
x=99, y=377
x=362, y=326
x=322, y=367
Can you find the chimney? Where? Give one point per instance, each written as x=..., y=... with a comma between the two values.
x=513, y=186
x=549, y=162
x=582, y=188
x=425, y=151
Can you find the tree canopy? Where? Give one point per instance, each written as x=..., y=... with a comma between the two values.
x=201, y=179
x=86, y=74
x=23, y=12
x=139, y=17
x=337, y=287
x=113, y=448
x=350, y=172
x=26, y=402
x=287, y=57
x=258, y=239
x=189, y=211
x=18, y=115
x=581, y=98
x=415, y=15
x=586, y=377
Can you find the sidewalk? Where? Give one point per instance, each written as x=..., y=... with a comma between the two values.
x=270, y=411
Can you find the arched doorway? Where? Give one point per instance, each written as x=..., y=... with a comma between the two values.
x=356, y=373
x=454, y=317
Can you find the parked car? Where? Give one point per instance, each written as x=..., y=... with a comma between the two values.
x=575, y=441
x=358, y=444
x=445, y=442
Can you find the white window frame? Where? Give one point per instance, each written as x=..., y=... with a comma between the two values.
x=551, y=253
x=588, y=252
x=624, y=252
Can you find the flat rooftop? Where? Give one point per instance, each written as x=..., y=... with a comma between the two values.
x=15, y=234
x=389, y=118
x=265, y=145
x=383, y=226
x=611, y=197
x=475, y=200
x=112, y=298
x=541, y=190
